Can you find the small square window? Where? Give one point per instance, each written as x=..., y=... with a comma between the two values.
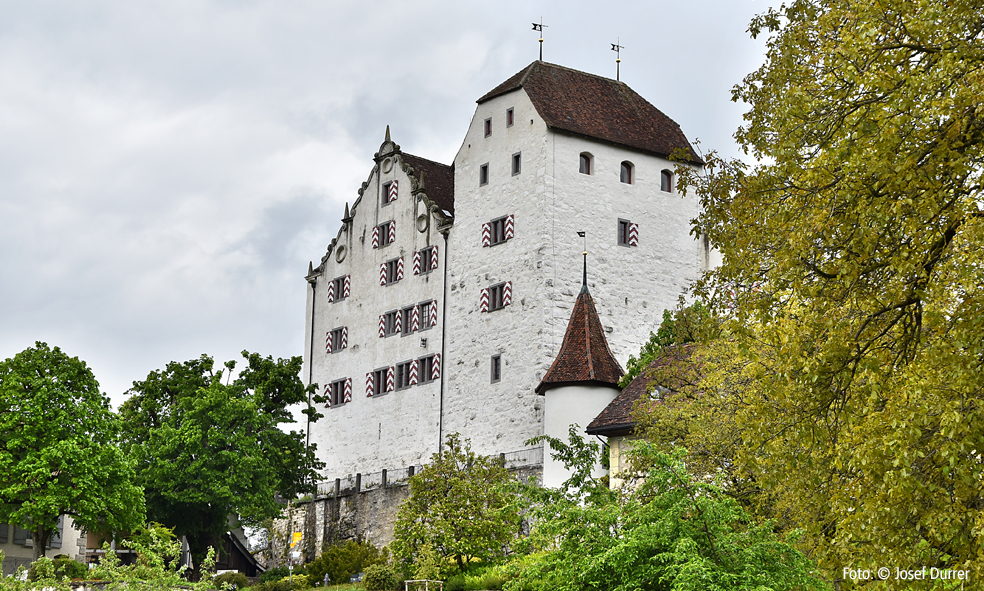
x=389, y=192
x=483, y=174
x=403, y=375
x=623, y=232
x=488, y=127
x=496, y=292
x=379, y=381
x=497, y=230
x=496, y=368
x=337, y=393
x=386, y=233
x=337, y=341
x=509, y=117
x=517, y=161
x=339, y=288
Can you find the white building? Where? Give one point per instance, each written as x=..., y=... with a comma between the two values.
x=445, y=297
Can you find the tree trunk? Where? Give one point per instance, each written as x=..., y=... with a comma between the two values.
x=41, y=535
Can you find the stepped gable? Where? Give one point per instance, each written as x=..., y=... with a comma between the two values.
x=596, y=107
x=584, y=356
x=438, y=180
x=616, y=420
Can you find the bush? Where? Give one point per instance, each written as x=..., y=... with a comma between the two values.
x=275, y=574
x=233, y=580
x=343, y=561
x=484, y=582
x=380, y=577
x=300, y=582
x=455, y=583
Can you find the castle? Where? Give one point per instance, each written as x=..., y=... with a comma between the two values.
x=445, y=297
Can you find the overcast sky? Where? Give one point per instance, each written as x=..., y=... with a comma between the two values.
x=168, y=169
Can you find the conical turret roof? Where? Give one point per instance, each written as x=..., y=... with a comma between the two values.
x=584, y=356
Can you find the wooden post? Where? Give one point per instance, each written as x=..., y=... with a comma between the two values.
x=358, y=483
x=384, y=477
x=338, y=487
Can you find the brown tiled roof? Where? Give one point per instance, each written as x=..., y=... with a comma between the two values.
x=617, y=419
x=596, y=107
x=438, y=180
x=584, y=356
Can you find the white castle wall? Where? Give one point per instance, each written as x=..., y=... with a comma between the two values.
x=566, y=406
x=398, y=428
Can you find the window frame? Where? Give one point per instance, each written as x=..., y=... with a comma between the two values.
x=424, y=311
x=425, y=260
x=389, y=323
x=483, y=174
x=385, y=195
x=407, y=314
x=666, y=180
x=626, y=169
x=517, y=163
x=496, y=293
x=585, y=163
x=391, y=270
x=510, y=117
x=425, y=369
x=336, y=343
x=337, y=392
x=499, y=223
x=384, y=233
x=379, y=381
x=404, y=367
x=623, y=232
x=488, y=127
x=339, y=288
x=495, y=369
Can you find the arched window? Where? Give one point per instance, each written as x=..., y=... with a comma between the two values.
x=585, y=163
x=666, y=181
x=626, y=175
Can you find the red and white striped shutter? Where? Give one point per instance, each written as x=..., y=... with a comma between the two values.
x=369, y=385
x=327, y=394
x=486, y=234
x=484, y=306
x=382, y=325
x=390, y=378
x=392, y=192
x=346, y=286
x=413, y=372
x=433, y=313
x=399, y=268
x=633, y=234
x=399, y=321
x=507, y=293
x=375, y=237
x=382, y=274
x=436, y=367
x=510, y=230
x=392, y=231
x=328, y=342
x=331, y=291
x=433, y=257
x=415, y=319
x=344, y=337
x=416, y=263
x=347, y=395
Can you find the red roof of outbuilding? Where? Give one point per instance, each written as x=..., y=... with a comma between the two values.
x=596, y=107
x=584, y=357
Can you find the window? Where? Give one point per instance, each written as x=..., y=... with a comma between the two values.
x=483, y=174
x=628, y=233
x=626, y=175
x=495, y=296
x=498, y=231
x=337, y=339
x=391, y=271
x=428, y=314
x=428, y=259
x=336, y=393
x=403, y=375
x=496, y=368
x=666, y=181
x=509, y=117
x=585, y=163
x=339, y=288
x=430, y=368
x=407, y=320
x=488, y=127
x=390, y=323
x=379, y=381
x=517, y=161
x=389, y=192
x=387, y=233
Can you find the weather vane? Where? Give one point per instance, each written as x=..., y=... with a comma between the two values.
x=539, y=27
x=618, y=56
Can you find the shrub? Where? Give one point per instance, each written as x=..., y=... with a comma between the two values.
x=342, y=561
x=380, y=577
x=233, y=580
x=484, y=582
x=300, y=582
x=455, y=583
x=62, y=567
x=275, y=574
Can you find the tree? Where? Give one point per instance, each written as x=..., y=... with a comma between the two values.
x=59, y=454
x=671, y=533
x=853, y=255
x=207, y=450
x=459, y=507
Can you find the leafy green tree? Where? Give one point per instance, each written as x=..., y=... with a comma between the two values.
x=344, y=560
x=459, y=507
x=672, y=532
x=207, y=450
x=59, y=454
x=853, y=264
x=687, y=324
